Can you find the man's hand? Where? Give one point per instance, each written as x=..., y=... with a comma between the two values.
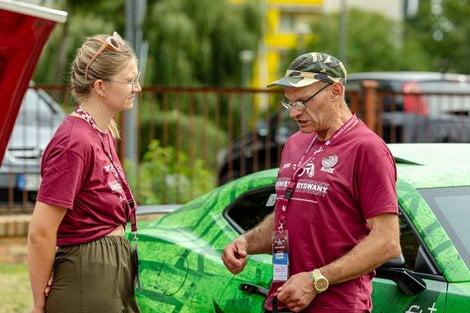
x=297, y=292
x=234, y=255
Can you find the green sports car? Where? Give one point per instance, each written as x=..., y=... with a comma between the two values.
x=181, y=269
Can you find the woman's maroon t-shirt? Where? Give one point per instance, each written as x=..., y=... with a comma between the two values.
x=78, y=174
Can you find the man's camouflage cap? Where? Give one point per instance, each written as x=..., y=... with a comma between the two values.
x=310, y=68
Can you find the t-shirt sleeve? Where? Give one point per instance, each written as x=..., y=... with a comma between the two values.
x=62, y=174
x=377, y=187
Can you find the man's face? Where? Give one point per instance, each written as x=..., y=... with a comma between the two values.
x=319, y=110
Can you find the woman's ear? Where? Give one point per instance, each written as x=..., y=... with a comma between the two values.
x=98, y=87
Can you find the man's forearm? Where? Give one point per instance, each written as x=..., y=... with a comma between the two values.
x=381, y=245
x=259, y=238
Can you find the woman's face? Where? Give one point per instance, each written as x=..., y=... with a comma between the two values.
x=120, y=89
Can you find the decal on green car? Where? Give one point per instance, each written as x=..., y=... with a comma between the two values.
x=433, y=234
x=181, y=250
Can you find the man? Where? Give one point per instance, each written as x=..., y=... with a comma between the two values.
x=335, y=218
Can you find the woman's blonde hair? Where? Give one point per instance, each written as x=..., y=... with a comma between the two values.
x=107, y=64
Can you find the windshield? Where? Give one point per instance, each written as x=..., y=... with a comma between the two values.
x=451, y=208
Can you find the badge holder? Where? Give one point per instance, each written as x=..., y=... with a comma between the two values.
x=280, y=255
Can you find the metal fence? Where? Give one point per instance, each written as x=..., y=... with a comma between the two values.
x=192, y=139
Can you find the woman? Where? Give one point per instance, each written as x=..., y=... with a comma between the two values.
x=84, y=201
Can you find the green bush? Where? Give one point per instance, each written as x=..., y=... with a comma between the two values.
x=197, y=137
x=166, y=175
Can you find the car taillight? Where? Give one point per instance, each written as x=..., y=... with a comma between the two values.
x=413, y=99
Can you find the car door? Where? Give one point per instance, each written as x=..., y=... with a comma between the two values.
x=413, y=284
x=246, y=291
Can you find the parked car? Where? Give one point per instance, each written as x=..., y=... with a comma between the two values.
x=37, y=120
x=181, y=269
x=414, y=107
x=24, y=30
x=422, y=93
x=420, y=106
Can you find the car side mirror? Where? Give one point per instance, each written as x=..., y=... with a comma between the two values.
x=408, y=282
x=397, y=262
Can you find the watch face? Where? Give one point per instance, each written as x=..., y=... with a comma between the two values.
x=321, y=284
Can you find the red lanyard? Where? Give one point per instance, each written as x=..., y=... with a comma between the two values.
x=285, y=200
x=117, y=173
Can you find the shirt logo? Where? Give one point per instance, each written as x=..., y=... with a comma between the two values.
x=328, y=163
x=110, y=168
x=115, y=186
x=313, y=187
x=308, y=168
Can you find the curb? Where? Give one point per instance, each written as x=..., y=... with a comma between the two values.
x=14, y=225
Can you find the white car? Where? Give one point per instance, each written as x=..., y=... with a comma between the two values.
x=37, y=120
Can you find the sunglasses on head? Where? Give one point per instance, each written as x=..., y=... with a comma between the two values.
x=114, y=42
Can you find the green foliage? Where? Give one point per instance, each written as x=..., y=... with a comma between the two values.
x=168, y=176
x=196, y=136
x=374, y=43
x=197, y=42
x=191, y=42
x=444, y=28
x=85, y=18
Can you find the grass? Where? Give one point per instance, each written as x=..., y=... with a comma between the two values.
x=15, y=291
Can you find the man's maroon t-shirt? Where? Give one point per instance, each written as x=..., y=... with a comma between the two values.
x=77, y=174
x=345, y=183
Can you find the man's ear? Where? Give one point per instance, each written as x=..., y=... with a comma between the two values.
x=337, y=89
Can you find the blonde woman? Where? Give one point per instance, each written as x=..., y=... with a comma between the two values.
x=84, y=201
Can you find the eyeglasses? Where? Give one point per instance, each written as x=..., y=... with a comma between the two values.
x=299, y=105
x=115, y=42
x=133, y=82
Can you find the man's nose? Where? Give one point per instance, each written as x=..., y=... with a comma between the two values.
x=294, y=113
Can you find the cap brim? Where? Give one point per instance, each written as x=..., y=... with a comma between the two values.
x=295, y=82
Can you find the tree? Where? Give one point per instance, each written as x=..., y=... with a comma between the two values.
x=443, y=27
x=197, y=42
x=192, y=42
x=374, y=43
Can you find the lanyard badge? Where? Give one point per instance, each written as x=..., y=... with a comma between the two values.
x=280, y=256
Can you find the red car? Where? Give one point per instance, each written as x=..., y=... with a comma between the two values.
x=24, y=30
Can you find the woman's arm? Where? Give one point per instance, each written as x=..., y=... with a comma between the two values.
x=42, y=237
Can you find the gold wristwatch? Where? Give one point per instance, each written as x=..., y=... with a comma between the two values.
x=320, y=283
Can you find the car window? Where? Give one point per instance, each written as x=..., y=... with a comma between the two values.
x=35, y=109
x=417, y=257
x=251, y=208
x=409, y=242
x=450, y=205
